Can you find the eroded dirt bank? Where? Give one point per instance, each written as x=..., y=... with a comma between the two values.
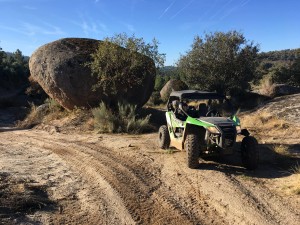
x=126, y=179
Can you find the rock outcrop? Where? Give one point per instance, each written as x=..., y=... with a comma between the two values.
x=172, y=85
x=60, y=68
x=284, y=89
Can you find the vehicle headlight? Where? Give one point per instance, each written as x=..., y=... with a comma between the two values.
x=238, y=129
x=213, y=130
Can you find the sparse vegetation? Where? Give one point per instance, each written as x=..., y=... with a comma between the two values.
x=281, y=149
x=266, y=86
x=246, y=177
x=53, y=104
x=124, y=119
x=34, y=117
x=37, y=114
x=263, y=120
x=169, y=151
x=295, y=169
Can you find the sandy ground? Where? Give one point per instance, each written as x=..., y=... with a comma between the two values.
x=126, y=179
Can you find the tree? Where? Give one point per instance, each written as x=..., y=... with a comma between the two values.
x=220, y=62
x=14, y=70
x=139, y=45
x=2, y=56
x=124, y=65
x=289, y=75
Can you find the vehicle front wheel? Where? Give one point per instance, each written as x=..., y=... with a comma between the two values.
x=163, y=137
x=250, y=154
x=192, y=146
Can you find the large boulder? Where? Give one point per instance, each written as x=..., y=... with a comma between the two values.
x=172, y=85
x=60, y=67
x=284, y=89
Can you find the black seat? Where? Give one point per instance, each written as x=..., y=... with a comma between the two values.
x=202, y=109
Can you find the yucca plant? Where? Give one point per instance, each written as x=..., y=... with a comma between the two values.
x=124, y=119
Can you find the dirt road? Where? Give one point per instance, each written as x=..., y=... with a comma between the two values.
x=125, y=179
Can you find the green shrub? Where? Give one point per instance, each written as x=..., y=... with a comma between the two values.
x=53, y=104
x=123, y=119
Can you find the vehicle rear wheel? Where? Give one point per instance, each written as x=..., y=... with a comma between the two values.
x=163, y=137
x=192, y=146
x=250, y=154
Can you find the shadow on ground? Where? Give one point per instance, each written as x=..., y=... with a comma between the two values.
x=157, y=118
x=19, y=198
x=271, y=163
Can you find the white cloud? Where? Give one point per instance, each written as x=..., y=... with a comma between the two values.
x=48, y=29
x=30, y=29
x=90, y=27
x=234, y=8
x=167, y=9
x=182, y=9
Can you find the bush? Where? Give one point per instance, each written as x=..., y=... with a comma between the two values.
x=288, y=75
x=34, y=117
x=123, y=119
x=53, y=105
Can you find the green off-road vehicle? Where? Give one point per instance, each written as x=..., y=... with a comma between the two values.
x=203, y=123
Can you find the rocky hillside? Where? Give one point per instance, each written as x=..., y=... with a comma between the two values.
x=285, y=107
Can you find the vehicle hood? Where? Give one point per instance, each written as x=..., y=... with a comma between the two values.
x=220, y=121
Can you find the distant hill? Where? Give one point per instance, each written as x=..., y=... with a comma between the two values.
x=282, y=55
x=26, y=58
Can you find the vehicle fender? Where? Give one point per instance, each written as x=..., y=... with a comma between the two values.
x=191, y=128
x=168, y=118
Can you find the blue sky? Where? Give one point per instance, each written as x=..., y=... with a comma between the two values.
x=28, y=24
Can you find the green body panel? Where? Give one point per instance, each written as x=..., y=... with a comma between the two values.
x=198, y=122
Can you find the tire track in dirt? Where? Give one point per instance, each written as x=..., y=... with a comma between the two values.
x=137, y=195
x=196, y=209
x=273, y=206
x=233, y=200
x=139, y=184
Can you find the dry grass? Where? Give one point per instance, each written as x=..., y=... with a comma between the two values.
x=297, y=191
x=276, y=137
x=34, y=117
x=290, y=185
x=51, y=113
x=266, y=86
x=281, y=150
x=169, y=151
x=262, y=119
x=264, y=124
x=295, y=169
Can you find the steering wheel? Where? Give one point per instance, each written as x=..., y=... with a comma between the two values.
x=212, y=112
